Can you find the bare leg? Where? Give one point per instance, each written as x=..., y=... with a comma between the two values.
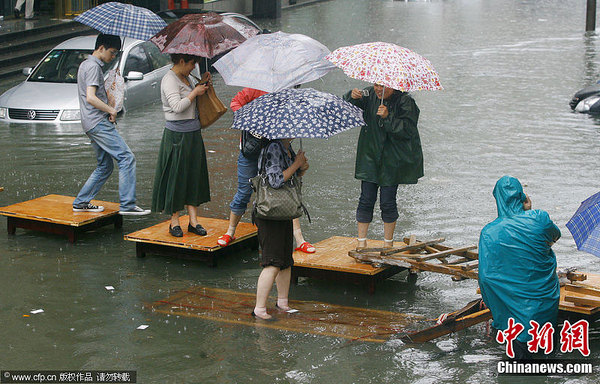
x=283, y=288
x=299, y=238
x=234, y=220
x=175, y=220
x=297, y=232
x=363, y=229
x=263, y=288
x=193, y=212
x=388, y=234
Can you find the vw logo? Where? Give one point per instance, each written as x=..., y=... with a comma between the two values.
x=31, y=114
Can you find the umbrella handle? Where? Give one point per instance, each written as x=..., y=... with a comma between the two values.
x=383, y=93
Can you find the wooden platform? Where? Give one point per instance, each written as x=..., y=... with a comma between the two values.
x=324, y=319
x=54, y=214
x=331, y=262
x=156, y=239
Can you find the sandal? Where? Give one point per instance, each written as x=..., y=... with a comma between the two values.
x=306, y=247
x=224, y=240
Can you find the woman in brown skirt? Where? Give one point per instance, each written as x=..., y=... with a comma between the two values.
x=276, y=237
x=181, y=178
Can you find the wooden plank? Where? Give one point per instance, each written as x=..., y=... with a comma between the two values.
x=403, y=248
x=440, y=268
x=379, y=259
x=234, y=307
x=583, y=300
x=440, y=247
x=159, y=234
x=58, y=209
x=332, y=254
x=414, y=246
x=592, y=291
x=412, y=240
x=452, y=251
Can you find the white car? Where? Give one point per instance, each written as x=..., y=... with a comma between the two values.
x=49, y=95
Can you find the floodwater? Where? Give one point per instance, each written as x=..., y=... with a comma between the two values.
x=509, y=69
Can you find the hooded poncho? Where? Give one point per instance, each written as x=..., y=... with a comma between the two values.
x=517, y=267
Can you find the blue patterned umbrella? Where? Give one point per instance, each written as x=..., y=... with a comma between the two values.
x=584, y=225
x=123, y=20
x=301, y=113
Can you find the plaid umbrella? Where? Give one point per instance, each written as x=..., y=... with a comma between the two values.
x=123, y=20
x=584, y=225
x=274, y=61
x=200, y=34
x=301, y=113
x=387, y=64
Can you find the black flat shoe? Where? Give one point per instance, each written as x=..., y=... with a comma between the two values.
x=175, y=231
x=198, y=230
x=260, y=318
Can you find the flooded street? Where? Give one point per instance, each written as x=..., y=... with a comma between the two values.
x=509, y=70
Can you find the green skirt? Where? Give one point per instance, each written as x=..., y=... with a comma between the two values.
x=181, y=173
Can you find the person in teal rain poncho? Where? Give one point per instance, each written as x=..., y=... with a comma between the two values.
x=517, y=267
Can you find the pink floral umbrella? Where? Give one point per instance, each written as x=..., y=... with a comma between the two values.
x=387, y=64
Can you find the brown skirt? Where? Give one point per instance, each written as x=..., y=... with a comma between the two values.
x=276, y=239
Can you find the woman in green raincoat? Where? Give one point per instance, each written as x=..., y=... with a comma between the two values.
x=517, y=267
x=388, y=154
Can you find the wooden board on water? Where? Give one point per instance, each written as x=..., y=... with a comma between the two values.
x=58, y=209
x=313, y=317
x=159, y=234
x=332, y=255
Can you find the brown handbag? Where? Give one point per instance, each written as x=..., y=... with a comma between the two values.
x=210, y=108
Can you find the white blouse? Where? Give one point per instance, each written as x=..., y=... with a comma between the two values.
x=173, y=93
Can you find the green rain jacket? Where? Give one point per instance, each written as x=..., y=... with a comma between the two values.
x=517, y=267
x=389, y=150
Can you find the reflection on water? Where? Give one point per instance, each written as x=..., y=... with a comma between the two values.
x=508, y=69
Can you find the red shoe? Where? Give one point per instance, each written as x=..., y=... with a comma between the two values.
x=224, y=240
x=306, y=247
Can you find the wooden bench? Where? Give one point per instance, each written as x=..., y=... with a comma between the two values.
x=331, y=262
x=54, y=214
x=156, y=239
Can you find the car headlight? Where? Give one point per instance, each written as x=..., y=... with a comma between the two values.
x=70, y=115
x=3, y=113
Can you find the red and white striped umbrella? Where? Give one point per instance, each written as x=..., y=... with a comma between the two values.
x=387, y=64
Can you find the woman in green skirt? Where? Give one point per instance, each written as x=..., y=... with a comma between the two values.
x=181, y=179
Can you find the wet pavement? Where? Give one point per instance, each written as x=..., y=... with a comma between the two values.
x=509, y=70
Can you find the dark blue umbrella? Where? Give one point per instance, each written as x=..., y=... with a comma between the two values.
x=584, y=225
x=123, y=20
x=297, y=113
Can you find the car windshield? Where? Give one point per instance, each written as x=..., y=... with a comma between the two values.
x=61, y=65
